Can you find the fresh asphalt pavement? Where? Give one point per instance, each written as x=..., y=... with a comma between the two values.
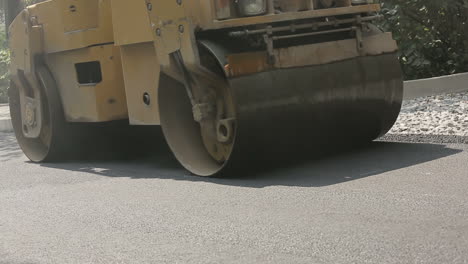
x=389, y=202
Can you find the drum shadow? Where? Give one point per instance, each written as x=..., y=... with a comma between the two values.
x=315, y=170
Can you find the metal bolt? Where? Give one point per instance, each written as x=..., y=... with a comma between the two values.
x=146, y=99
x=158, y=32
x=181, y=28
x=34, y=21
x=149, y=6
x=179, y=2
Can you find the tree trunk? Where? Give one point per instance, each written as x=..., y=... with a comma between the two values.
x=466, y=39
x=12, y=9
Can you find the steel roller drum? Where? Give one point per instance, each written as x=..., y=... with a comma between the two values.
x=285, y=112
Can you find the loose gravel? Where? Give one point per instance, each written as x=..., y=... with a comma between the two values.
x=440, y=118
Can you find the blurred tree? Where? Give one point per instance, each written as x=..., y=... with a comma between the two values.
x=4, y=63
x=432, y=35
x=11, y=9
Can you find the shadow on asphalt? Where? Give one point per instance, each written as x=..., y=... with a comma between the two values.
x=9, y=148
x=333, y=168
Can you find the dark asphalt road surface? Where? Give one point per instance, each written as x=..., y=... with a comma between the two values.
x=386, y=203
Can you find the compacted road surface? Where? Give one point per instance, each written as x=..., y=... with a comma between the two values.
x=390, y=202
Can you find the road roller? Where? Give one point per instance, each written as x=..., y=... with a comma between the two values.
x=229, y=82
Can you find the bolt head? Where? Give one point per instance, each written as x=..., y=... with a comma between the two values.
x=146, y=99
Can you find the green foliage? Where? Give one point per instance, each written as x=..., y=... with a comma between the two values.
x=432, y=35
x=4, y=63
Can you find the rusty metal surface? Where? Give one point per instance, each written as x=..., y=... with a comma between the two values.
x=290, y=16
x=247, y=63
x=240, y=64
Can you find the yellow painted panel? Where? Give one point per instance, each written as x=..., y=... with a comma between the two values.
x=79, y=14
x=172, y=31
x=55, y=20
x=104, y=101
x=131, y=23
x=141, y=74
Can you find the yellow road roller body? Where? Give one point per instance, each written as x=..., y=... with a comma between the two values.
x=229, y=82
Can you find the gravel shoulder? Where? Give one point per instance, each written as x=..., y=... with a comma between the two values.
x=417, y=138
x=434, y=115
x=432, y=119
